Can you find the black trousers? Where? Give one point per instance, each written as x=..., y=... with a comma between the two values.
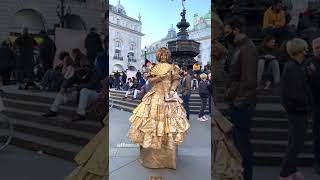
x=6, y=74
x=298, y=124
x=204, y=102
x=241, y=119
x=316, y=133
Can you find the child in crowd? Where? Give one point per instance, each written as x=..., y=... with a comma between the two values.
x=204, y=95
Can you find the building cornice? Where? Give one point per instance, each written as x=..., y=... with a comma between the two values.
x=127, y=17
x=125, y=29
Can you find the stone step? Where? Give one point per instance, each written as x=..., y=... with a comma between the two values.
x=271, y=133
x=37, y=106
x=122, y=94
x=196, y=103
x=60, y=121
x=260, y=99
x=275, y=159
x=129, y=106
x=29, y=97
x=51, y=132
x=48, y=146
x=278, y=146
x=262, y=110
x=263, y=122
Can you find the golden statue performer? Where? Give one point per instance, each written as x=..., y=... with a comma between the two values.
x=159, y=123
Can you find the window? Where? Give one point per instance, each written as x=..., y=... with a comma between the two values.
x=118, y=21
x=131, y=57
x=118, y=44
x=117, y=54
x=131, y=47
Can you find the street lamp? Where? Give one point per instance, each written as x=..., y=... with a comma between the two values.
x=61, y=12
x=145, y=52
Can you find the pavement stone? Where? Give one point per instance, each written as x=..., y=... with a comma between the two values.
x=20, y=164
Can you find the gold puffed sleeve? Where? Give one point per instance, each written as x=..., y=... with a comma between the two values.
x=175, y=78
x=154, y=80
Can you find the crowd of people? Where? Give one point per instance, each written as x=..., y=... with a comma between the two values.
x=77, y=76
x=284, y=62
x=190, y=82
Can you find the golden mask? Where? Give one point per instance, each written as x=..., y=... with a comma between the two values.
x=163, y=55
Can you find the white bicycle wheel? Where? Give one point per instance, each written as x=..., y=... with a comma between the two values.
x=6, y=131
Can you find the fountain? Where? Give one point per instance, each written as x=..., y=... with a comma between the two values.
x=183, y=50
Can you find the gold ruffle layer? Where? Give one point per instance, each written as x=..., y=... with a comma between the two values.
x=227, y=163
x=92, y=159
x=155, y=119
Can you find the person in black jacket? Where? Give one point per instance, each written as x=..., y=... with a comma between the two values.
x=204, y=93
x=7, y=63
x=296, y=99
x=47, y=51
x=93, y=45
x=25, y=60
x=313, y=68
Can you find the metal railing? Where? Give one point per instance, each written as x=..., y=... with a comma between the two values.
x=118, y=58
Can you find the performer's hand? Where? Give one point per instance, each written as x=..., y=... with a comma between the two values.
x=172, y=93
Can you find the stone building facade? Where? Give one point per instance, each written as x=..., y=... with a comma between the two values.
x=40, y=15
x=124, y=40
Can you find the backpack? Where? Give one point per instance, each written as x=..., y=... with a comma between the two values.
x=203, y=89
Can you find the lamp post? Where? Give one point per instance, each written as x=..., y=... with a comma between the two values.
x=145, y=53
x=61, y=12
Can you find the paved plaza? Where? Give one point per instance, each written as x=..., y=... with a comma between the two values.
x=193, y=161
x=20, y=164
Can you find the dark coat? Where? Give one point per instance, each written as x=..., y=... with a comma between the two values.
x=93, y=44
x=242, y=79
x=314, y=79
x=204, y=91
x=295, y=93
x=47, y=52
x=7, y=58
x=25, y=45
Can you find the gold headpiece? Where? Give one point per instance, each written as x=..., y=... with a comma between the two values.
x=163, y=55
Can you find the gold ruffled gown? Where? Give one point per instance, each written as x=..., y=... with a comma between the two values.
x=92, y=159
x=157, y=125
x=227, y=162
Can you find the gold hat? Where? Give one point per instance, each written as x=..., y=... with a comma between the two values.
x=163, y=55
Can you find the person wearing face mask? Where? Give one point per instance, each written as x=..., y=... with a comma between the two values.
x=241, y=89
x=297, y=101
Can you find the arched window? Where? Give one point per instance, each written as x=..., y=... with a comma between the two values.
x=118, y=44
x=131, y=57
x=131, y=47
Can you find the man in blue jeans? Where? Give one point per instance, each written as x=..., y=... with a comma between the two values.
x=186, y=86
x=241, y=90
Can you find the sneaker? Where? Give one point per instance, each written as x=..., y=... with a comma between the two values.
x=298, y=176
x=50, y=114
x=206, y=118
x=200, y=119
x=79, y=118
